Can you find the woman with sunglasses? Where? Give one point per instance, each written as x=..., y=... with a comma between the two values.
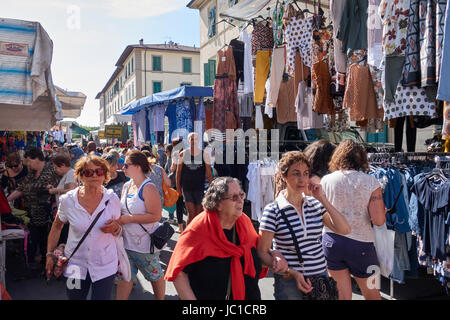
x=215, y=257
x=13, y=176
x=141, y=212
x=95, y=263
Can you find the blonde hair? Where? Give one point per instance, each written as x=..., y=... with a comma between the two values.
x=82, y=163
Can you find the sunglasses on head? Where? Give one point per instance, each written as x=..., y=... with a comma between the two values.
x=89, y=172
x=236, y=197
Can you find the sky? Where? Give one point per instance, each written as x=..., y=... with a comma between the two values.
x=90, y=35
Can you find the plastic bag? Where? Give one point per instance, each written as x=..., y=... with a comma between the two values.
x=384, y=245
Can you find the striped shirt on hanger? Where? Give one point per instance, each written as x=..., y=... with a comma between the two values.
x=309, y=237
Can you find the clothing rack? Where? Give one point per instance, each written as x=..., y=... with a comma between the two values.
x=403, y=158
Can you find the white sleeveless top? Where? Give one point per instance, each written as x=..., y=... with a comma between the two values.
x=134, y=237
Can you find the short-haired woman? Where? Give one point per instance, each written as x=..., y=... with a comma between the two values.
x=61, y=165
x=13, y=176
x=141, y=209
x=118, y=178
x=359, y=197
x=307, y=216
x=218, y=249
x=34, y=189
x=95, y=263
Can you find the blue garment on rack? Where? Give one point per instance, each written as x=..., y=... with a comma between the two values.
x=148, y=130
x=184, y=118
x=434, y=198
x=398, y=220
x=171, y=114
x=417, y=215
x=401, y=258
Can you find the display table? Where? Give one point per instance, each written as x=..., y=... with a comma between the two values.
x=3, y=240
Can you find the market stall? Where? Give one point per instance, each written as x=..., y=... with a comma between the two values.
x=182, y=107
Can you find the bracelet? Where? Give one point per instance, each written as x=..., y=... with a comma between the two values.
x=49, y=254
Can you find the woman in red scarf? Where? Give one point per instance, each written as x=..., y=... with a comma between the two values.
x=205, y=263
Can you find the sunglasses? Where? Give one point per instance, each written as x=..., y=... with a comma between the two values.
x=127, y=165
x=236, y=197
x=89, y=172
x=14, y=166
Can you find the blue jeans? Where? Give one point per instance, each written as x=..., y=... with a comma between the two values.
x=101, y=289
x=286, y=289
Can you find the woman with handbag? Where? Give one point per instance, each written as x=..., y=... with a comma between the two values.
x=359, y=197
x=141, y=212
x=215, y=257
x=91, y=212
x=295, y=221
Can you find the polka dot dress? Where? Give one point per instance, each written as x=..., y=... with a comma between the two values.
x=299, y=35
x=410, y=101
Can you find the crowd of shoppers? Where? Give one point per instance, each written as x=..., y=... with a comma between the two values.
x=324, y=194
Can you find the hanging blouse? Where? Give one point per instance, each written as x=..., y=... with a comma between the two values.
x=226, y=65
x=353, y=25
x=262, y=37
x=425, y=40
x=277, y=18
x=394, y=16
x=410, y=101
x=374, y=35
x=299, y=35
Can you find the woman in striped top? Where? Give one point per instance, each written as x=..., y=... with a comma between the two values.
x=306, y=215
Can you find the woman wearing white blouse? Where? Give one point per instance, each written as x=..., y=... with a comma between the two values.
x=95, y=264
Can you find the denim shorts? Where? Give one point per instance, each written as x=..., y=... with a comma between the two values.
x=148, y=264
x=345, y=253
x=286, y=289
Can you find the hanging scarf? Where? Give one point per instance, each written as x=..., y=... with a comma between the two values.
x=205, y=237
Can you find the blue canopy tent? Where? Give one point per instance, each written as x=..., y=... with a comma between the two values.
x=165, y=96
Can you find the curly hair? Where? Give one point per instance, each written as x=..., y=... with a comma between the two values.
x=289, y=158
x=349, y=155
x=217, y=190
x=319, y=154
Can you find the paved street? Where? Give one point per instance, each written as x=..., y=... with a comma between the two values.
x=37, y=289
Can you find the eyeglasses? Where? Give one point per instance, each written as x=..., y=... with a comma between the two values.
x=89, y=172
x=236, y=197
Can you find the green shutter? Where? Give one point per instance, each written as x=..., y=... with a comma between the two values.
x=187, y=68
x=157, y=64
x=206, y=75
x=212, y=71
x=157, y=87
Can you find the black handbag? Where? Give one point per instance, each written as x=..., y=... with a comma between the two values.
x=324, y=288
x=160, y=236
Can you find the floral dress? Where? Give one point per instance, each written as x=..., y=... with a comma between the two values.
x=394, y=16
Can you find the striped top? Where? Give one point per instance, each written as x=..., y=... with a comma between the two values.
x=308, y=233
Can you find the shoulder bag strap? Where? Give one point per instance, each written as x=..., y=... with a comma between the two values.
x=294, y=237
x=89, y=230
x=126, y=205
x=227, y=297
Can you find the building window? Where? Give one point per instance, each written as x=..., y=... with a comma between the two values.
x=157, y=86
x=209, y=72
x=132, y=89
x=187, y=65
x=185, y=84
x=157, y=63
x=233, y=2
x=212, y=22
x=132, y=65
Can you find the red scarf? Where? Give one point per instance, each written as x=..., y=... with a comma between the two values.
x=204, y=237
